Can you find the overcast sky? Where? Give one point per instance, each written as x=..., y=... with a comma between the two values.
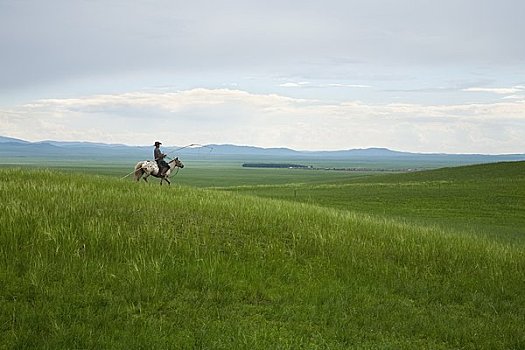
x=414, y=75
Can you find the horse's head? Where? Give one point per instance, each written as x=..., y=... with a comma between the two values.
x=177, y=162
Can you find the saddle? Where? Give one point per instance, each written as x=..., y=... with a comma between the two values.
x=163, y=167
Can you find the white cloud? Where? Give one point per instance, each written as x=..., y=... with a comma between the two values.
x=331, y=85
x=269, y=120
x=514, y=97
x=347, y=85
x=298, y=84
x=499, y=91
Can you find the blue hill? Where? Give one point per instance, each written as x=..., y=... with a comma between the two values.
x=13, y=148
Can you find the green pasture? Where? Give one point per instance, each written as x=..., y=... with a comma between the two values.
x=202, y=173
x=95, y=262
x=488, y=199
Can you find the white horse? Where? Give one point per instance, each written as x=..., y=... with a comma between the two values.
x=150, y=168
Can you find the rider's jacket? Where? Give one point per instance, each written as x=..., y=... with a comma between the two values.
x=158, y=154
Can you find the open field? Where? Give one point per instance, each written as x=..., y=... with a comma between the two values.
x=203, y=174
x=96, y=262
x=487, y=198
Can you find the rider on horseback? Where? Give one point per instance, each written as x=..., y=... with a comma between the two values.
x=159, y=158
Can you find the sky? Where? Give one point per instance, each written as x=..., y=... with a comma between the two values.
x=411, y=75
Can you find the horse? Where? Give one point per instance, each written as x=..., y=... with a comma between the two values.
x=150, y=168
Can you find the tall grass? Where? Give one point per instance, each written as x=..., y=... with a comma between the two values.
x=486, y=199
x=92, y=262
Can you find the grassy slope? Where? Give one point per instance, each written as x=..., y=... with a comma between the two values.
x=486, y=198
x=83, y=264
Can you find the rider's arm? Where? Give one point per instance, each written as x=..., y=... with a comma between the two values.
x=158, y=154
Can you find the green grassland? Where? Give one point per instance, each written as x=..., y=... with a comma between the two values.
x=92, y=261
x=202, y=173
x=486, y=198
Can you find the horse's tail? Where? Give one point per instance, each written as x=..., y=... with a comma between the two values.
x=138, y=171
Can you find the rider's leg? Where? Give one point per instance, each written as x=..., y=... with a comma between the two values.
x=164, y=167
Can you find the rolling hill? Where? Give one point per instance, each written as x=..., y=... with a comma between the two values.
x=483, y=198
x=95, y=262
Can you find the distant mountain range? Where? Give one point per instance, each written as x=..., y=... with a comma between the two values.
x=250, y=150
x=12, y=148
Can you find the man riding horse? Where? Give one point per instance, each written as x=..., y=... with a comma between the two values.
x=159, y=158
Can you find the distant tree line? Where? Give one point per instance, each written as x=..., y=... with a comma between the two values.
x=274, y=165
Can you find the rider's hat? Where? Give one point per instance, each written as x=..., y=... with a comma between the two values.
x=158, y=143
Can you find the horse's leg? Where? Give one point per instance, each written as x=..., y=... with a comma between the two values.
x=145, y=178
x=168, y=181
x=138, y=174
x=138, y=171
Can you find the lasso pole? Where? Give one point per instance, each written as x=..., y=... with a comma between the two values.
x=190, y=145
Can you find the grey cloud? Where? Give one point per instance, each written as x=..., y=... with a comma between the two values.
x=46, y=41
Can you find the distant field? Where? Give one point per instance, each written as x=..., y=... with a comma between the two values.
x=203, y=173
x=226, y=165
x=96, y=262
x=212, y=159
